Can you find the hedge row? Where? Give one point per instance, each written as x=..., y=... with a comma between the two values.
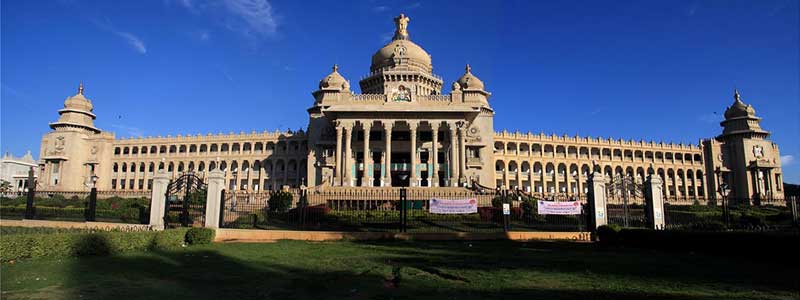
x=20, y=246
x=79, y=202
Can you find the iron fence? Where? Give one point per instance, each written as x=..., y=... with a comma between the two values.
x=77, y=207
x=385, y=210
x=734, y=214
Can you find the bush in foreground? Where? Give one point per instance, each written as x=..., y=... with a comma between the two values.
x=199, y=236
x=608, y=234
x=19, y=246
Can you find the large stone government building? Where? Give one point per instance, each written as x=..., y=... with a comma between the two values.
x=402, y=130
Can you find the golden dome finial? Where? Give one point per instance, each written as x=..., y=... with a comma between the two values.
x=336, y=67
x=736, y=95
x=401, y=27
x=80, y=89
x=468, y=69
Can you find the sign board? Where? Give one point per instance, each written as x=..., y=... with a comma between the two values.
x=506, y=209
x=559, y=208
x=457, y=206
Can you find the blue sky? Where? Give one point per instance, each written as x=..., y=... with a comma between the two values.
x=653, y=70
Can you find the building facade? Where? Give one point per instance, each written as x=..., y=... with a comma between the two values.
x=14, y=170
x=402, y=130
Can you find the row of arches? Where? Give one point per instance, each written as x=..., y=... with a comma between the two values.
x=571, y=179
x=282, y=147
x=244, y=174
x=594, y=153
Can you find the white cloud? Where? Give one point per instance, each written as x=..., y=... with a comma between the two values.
x=133, y=41
x=129, y=130
x=381, y=8
x=256, y=14
x=787, y=160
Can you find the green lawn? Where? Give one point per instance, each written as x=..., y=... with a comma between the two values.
x=402, y=270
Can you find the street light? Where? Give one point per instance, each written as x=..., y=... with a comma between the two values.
x=91, y=210
x=724, y=190
x=403, y=205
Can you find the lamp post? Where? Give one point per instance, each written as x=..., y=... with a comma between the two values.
x=92, y=209
x=403, y=204
x=723, y=190
x=29, y=209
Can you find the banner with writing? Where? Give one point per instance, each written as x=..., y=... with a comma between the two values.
x=458, y=206
x=559, y=208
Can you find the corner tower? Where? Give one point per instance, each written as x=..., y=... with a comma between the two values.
x=74, y=150
x=742, y=157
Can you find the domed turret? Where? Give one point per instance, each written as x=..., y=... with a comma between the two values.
x=469, y=81
x=76, y=114
x=334, y=81
x=738, y=108
x=741, y=120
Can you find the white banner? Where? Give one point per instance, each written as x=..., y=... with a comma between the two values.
x=459, y=206
x=559, y=208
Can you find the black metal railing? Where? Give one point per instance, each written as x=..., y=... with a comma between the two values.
x=79, y=207
x=385, y=210
x=734, y=214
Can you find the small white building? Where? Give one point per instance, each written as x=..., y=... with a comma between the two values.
x=15, y=170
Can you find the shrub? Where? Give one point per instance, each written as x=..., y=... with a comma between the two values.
x=498, y=201
x=608, y=234
x=199, y=236
x=529, y=206
x=65, y=244
x=708, y=225
x=280, y=201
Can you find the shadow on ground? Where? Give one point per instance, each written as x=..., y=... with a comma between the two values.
x=413, y=270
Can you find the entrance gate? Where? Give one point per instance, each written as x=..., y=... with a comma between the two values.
x=186, y=202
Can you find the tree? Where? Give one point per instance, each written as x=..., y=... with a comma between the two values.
x=5, y=187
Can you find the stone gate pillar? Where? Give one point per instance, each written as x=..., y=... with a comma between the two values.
x=158, y=201
x=655, y=202
x=216, y=183
x=598, y=216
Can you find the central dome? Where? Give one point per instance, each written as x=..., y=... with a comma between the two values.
x=401, y=52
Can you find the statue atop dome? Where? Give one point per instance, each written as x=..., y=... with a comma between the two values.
x=401, y=22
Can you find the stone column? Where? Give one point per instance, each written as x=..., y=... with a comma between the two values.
x=556, y=186
x=655, y=202
x=158, y=201
x=435, y=154
x=531, y=178
x=216, y=183
x=348, y=155
x=597, y=201
x=366, y=179
x=506, y=181
x=453, y=155
x=337, y=174
x=412, y=125
x=685, y=181
x=387, y=176
x=462, y=161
